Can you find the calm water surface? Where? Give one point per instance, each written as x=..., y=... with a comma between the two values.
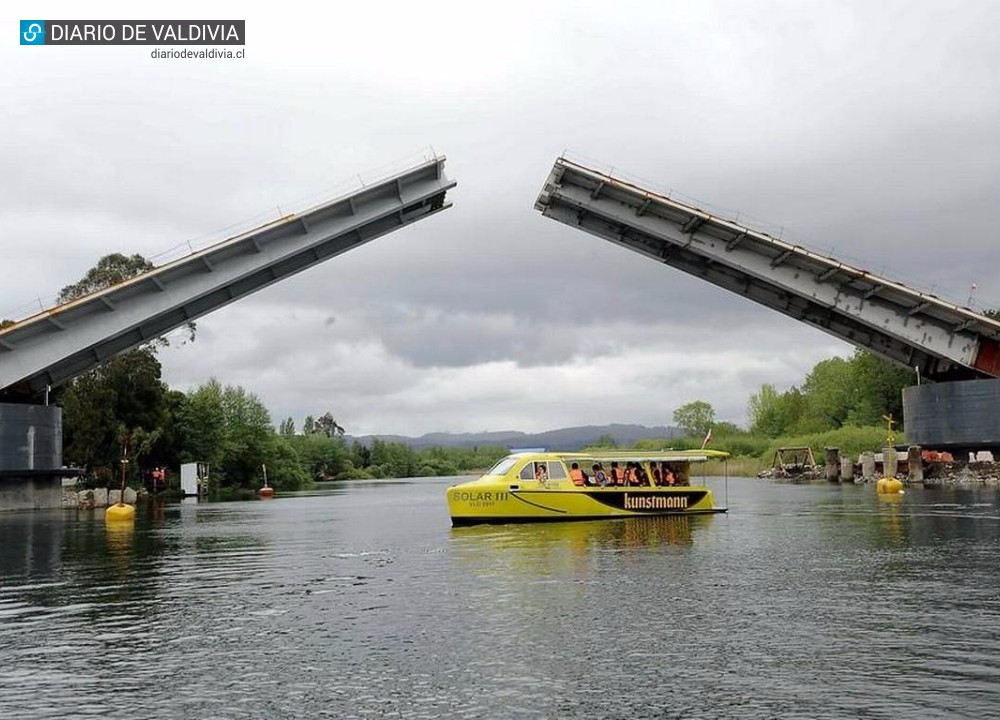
x=360, y=601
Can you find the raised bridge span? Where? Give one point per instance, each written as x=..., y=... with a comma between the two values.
x=56, y=345
x=912, y=328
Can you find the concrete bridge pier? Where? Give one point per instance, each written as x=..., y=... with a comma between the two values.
x=31, y=470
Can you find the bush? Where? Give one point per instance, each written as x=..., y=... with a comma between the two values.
x=851, y=440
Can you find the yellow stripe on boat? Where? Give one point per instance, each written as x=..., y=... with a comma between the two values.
x=536, y=486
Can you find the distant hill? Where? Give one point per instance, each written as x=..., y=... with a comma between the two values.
x=573, y=438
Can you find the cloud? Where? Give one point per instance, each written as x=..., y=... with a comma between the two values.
x=866, y=131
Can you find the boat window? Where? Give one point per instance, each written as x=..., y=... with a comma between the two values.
x=557, y=471
x=528, y=472
x=503, y=466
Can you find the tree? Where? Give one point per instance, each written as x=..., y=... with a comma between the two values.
x=322, y=458
x=308, y=425
x=695, y=418
x=230, y=428
x=202, y=424
x=247, y=431
x=829, y=393
x=878, y=388
x=124, y=392
x=287, y=427
x=605, y=441
x=326, y=425
x=111, y=270
x=764, y=411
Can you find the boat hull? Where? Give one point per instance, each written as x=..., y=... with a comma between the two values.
x=476, y=503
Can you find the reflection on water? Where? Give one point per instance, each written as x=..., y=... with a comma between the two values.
x=359, y=600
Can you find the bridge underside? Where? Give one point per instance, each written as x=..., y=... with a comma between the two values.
x=56, y=345
x=914, y=329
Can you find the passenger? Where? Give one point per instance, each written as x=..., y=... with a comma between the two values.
x=617, y=474
x=631, y=479
x=657, y=475
x=541, y=472
x=578, y=476
x=600, y=477
x=668, y=476
x=641, y=475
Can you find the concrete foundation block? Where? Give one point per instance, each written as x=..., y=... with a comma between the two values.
x=868, y=465
x=846, y=469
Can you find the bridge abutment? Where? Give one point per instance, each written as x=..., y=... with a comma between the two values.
x=957, y=416
x=31, y=468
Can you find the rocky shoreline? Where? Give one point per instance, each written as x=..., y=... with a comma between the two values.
x=962, y=473
x=99, y=497
x=934, y=473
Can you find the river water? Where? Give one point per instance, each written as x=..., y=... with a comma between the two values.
x=359, y=600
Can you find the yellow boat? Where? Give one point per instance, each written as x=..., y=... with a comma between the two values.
x=540, y=486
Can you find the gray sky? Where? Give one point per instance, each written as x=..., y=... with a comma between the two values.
x=868, y=129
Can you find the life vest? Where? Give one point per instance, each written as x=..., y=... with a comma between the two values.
x=619, y=476
x=576, y=475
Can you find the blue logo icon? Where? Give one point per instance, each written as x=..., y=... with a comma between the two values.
x=32, y=32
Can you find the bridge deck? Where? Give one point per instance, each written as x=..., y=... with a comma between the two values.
x=54, y=346
x=915, y=329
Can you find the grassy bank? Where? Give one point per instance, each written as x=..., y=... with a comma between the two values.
x=752, y=453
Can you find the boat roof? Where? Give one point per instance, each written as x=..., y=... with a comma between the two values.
x=628, y=455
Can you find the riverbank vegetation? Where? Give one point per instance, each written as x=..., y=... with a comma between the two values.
x=124, y=404
x=841, y=402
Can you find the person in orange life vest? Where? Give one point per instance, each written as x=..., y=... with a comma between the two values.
x=599, y=475
x=668, y=475
x=578, y=476
x=630, y=476
x=617, y=474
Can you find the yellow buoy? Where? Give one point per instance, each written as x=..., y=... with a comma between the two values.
x=889, y=486
x=120, y=513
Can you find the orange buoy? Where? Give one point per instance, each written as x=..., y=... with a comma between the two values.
x=267, y=491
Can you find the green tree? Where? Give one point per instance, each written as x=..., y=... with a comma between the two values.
x=202, y=424
x=126, y=391
x=230, y=428
x=772, y=413
x=764, y=411
x=285, y=470
x=308, y=425
x=878, y=388
x=326, y=425
x=287, y=427
x=111, y=270
x=361, y=455
x=247, y=434
x=694, y=418
x=829, y=394
x=605, y=441
x=322, y=458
